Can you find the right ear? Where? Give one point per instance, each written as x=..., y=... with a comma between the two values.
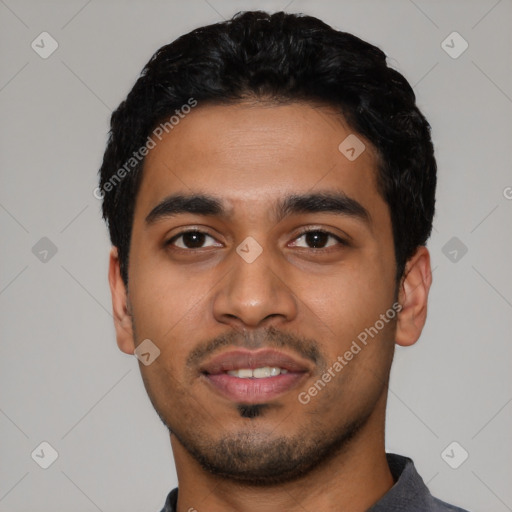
x=122, y=314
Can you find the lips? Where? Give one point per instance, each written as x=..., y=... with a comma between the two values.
x=253, y=390
x=238, y=359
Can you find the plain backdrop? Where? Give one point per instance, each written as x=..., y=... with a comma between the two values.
x=63, y=380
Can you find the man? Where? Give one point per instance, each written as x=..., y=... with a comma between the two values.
x=269, y=187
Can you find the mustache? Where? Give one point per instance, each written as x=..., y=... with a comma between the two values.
x=268, y=337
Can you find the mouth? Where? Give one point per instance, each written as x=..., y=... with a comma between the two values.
x=254, y=376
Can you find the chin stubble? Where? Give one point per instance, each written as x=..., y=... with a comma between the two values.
x=256, y=459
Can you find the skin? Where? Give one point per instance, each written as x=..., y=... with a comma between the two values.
x=249, y=156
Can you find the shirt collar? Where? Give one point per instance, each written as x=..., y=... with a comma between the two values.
x=409, y=491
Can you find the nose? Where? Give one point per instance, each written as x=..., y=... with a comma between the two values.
x=254, y=294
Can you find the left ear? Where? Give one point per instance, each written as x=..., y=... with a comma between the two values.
x=413, y=296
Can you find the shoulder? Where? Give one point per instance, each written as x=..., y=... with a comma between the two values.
x=409, y=492
x=441, y=506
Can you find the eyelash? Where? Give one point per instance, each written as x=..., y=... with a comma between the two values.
x=303, y=231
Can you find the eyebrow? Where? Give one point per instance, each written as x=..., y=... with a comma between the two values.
x=329, y=202
x=199, y=204
x=203, y=204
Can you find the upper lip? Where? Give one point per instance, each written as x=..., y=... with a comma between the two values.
x=237, y=359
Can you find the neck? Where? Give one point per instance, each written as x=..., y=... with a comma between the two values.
x=353, y=480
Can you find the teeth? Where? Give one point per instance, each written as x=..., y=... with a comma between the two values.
x=245, y=373
x=260, y=373
x=257, y=373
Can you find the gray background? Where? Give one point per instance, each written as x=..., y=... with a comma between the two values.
x=64, y=381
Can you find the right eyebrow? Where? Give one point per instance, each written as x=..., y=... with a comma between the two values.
x=199, y=204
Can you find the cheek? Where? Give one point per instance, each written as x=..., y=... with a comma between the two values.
x=171, y=307
x=349, y=300
x=164, y=299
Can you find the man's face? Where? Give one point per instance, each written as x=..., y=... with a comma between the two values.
x=211, y=303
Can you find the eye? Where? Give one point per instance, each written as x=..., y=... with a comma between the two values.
x=317, y=239
x=192, y=239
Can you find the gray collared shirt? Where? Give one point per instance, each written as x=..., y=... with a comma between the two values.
x=409, y=494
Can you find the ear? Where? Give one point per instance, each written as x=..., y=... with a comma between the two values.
x=413, y=297
x=120, y=305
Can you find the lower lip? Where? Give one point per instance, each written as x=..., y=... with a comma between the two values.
x=252, y=391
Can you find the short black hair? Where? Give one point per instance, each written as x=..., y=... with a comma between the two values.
x=280, y=57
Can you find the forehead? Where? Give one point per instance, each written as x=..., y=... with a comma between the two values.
x=253, y=154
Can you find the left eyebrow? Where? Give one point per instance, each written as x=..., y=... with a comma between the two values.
x=329, y=202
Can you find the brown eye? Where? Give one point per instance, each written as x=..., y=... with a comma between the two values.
x=192, y=240
x=317, y=239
